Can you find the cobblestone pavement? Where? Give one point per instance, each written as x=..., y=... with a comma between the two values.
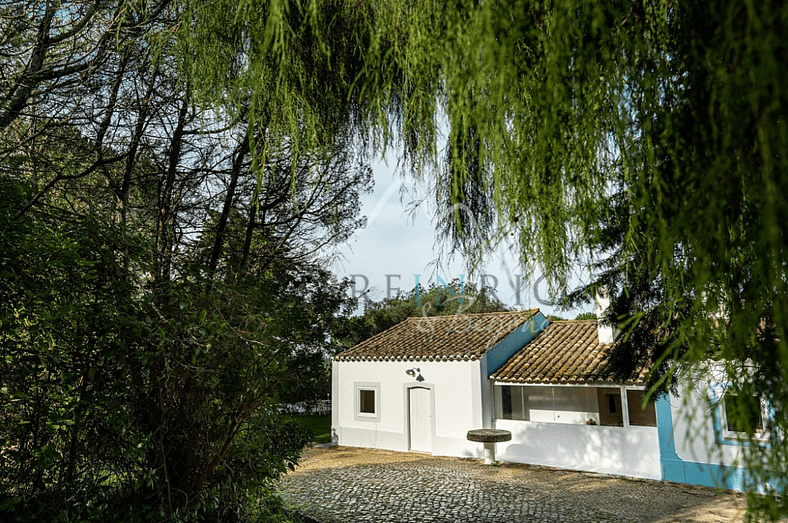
x=347, y=485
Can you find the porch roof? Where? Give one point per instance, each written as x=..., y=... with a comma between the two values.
x=566, y=352
x=462, y=337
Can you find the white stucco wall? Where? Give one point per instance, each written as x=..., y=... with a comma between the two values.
x=693, y=428
x=628, y=451
x=456, y=395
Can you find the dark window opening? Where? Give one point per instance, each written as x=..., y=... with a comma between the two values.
x=639, y=416
x=506, y=402
x=743, y=413
x=366, y=401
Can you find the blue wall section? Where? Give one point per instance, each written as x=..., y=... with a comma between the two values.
x=515, y=341
x=694, y=473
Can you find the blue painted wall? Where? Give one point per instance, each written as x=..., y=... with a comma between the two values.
x=676, y=469
x=515, y=341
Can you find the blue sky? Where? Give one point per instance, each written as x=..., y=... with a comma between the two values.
x=401, y=243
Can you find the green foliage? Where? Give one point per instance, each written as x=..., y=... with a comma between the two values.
x=62, y=368
x=586, y=316
x=267, y=62
x=648, y=137
x=112, y=401
x=161, y=290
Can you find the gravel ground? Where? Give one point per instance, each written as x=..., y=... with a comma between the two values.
x=343, y=484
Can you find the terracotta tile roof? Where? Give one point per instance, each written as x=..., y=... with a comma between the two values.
x=438, y=338
x=565, y=352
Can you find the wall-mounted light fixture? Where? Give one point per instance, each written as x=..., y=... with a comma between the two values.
x=413, y=372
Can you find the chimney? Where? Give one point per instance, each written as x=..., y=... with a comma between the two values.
x=606, y=333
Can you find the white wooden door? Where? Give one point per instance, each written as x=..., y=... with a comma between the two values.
x=420, y=406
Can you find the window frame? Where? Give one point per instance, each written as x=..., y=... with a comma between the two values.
x=523, y=402
x=733, y=435
x=717, y=393
x=366, y=386
x=595, y=396
x=636, y=413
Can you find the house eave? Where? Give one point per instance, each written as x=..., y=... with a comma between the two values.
x=574, y=383
x=453, y=357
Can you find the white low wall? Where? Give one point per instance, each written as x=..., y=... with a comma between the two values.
x=631, y=451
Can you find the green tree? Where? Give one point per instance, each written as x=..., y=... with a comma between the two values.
x=645, y=136
x=161, y=284
x=62, y=371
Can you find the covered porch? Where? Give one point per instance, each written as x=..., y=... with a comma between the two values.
x=592, y=428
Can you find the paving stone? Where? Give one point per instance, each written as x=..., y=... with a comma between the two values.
x=345, y=485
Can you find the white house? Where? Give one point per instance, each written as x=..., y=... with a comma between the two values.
x=421, y=385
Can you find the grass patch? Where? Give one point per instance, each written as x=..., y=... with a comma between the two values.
x=319, y=425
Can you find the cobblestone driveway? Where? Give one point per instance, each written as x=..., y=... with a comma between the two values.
x=347, y=485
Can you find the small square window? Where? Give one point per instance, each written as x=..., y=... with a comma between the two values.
x=366, y=401
x=742, y=413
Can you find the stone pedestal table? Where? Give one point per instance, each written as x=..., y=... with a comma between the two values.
x=489, y=437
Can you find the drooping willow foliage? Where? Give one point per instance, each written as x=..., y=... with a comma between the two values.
x=647, y=136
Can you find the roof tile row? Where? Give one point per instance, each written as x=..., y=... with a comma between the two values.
x=565, y=352
x=461, y=337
